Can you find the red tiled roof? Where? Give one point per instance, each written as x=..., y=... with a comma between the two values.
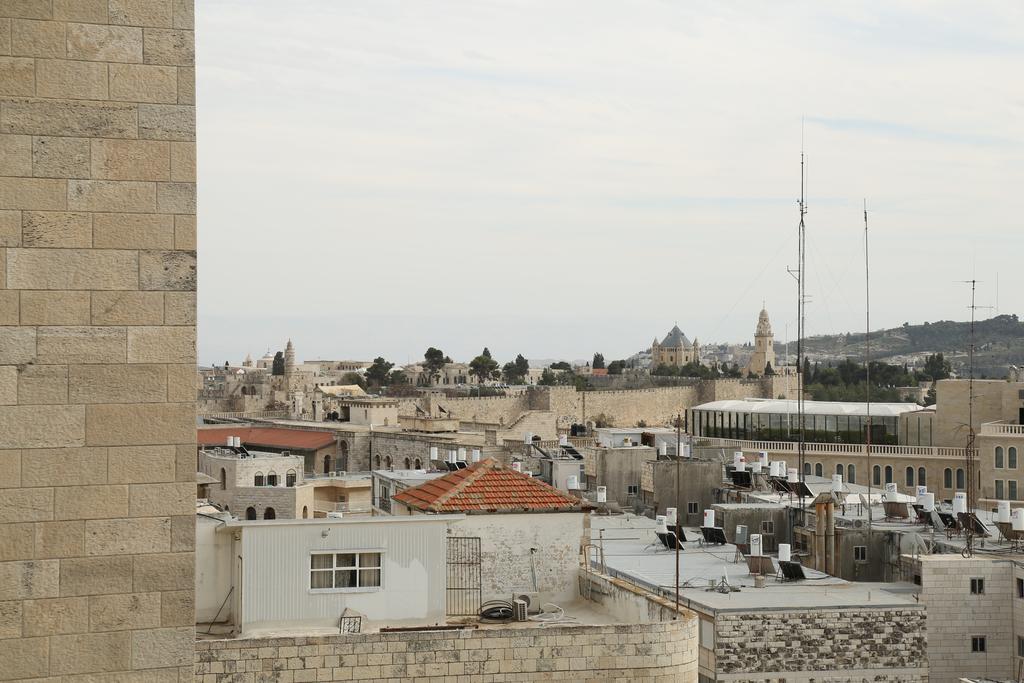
x=272, y=437
x=486, y=486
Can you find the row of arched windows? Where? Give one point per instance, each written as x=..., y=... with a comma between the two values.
x=1010, y=459
x=269, y=513
x=850, y=473
x=271, y=479
x=410, y=464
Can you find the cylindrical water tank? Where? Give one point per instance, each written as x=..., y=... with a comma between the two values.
x=755, y=545
x=659, y=523
x=517, y=466
x=755, y=467
x=602, y=494
x=709, y=518
x=476, y=455
x=433, y=452
x=563, y=440
x=572, y=482
x=763, y=457
x=452, y=454
x=1003, y=511
x=663, y=449
x=527, y=438
x=927, y=502
x=784, y=554
x=921, y=490
x=837, y=482
x=670, y=516
x=741, y=534
x=959, y=502
x=230, y=441
x=891, y=488
x=238, y=442
x=737, y=458
x=1017, y=519
x=794, y=475
x=462, y=454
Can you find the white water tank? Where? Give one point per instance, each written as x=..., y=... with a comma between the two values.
x=741, y=534
x=1017, y=519
x=660, y=524
x=671, y=516
x=663, y=449
x=755, y=545
x=238, y=442
x=335, y=515
x=763, y=457
x=959, y=502
x=738, y=461
x=451, y=456
x=891, y=488
x=927, y=502
x=476, y=455
x=921, y=490
x=462, y=454
x=784, y=553
x=572, y=482
x=433, y=452
x=602, y=494
x=755, y=467
x=517, y=466
x=527, y=438
x=709, y=518
x=837, y=482
x=1003, y=511
x=793, y=476
x=230, y=441
x=563, y=440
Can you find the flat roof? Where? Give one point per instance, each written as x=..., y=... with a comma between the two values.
x=330, y=521
x=786, y=406
x=632, y=551
x=409, y=475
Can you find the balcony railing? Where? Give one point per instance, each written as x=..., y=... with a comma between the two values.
x=1001, y=429
x=341, y=507
x=853, y=449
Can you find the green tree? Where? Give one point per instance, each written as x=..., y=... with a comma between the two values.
x=560, y=365
x=547, y=378
x=936, y=367
x=598, y=363
x=278, y=367
x=486, y=352
x=483, y=367
x=377, y=373
x=398, y=377
x=433, y=361
x=515, y=372
x=616, y=367
x=353, y=378
x=768, y=370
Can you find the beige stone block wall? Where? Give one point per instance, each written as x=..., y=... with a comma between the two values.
x=97, y=330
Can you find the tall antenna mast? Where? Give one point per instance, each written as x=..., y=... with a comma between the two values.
x=867, y=354
x=800, y=322
x=969, y=451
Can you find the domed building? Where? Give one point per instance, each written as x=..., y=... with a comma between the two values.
x=675, y=350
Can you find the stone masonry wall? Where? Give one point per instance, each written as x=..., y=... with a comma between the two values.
x=97, y=339
x=822, y=644
x=644, y=653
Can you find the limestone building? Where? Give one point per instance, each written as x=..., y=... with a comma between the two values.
x=97, y=339
x=764, y=347
x=675, y=350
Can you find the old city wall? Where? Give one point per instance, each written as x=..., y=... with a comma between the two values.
x=883, y=644
x=97, y=339
x=648, y=653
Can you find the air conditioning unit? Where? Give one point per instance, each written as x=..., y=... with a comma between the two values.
x=531, y=598
x=519, y=611
x=335, y=515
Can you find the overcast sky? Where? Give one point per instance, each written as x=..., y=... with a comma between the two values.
x=558, y=178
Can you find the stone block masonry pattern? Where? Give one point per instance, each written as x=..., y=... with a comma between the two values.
x=97, y=340
x=643, y=653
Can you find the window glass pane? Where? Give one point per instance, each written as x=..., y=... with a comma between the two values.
x=1012, y=492
x=321, y=579
x=345, y=579
x=999, y=489
x=369, y=577
x=345, y=560
x=1012, y=457
x=369, y=559
x=320, y=561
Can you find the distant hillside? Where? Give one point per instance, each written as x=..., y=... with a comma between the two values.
x=999, y=342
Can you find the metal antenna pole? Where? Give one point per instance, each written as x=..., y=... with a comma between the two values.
x=675, y=532
x=867, y=354
x=969, y=451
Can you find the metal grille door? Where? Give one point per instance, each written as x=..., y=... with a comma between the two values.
x=463, y=577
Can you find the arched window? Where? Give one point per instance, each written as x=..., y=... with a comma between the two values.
x=999, y=457
x=272, y=478
x=910, y=476
x=419, y=465
x=258, y=479
x=223, y=479
x=818, y=469
x=876, y=475
x=376, y=460
x=851, y=474
x=922, y=476
x=289, y=478
x=888, y=474
x=387, y=462
x=947, y=478
x=250, y=513
x=960, y=478
x=839, y=468
x=305, y=512
x=807, y=468
x=1011, y=457
x=269, y=514
x=342, y=455
x=408, y=464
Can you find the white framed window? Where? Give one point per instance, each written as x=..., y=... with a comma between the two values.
x=632, y=490
x=347, y=571
x=692, y=508
x=767, y=526
x=860, y=553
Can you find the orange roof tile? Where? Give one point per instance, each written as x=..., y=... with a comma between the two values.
x=271, y=437
x=486, y=486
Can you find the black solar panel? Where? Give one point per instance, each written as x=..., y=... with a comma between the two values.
x=713, y=534
x=741, y=479
x=791, y=571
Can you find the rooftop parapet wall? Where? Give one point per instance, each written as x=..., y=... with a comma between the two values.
x=646, y=653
